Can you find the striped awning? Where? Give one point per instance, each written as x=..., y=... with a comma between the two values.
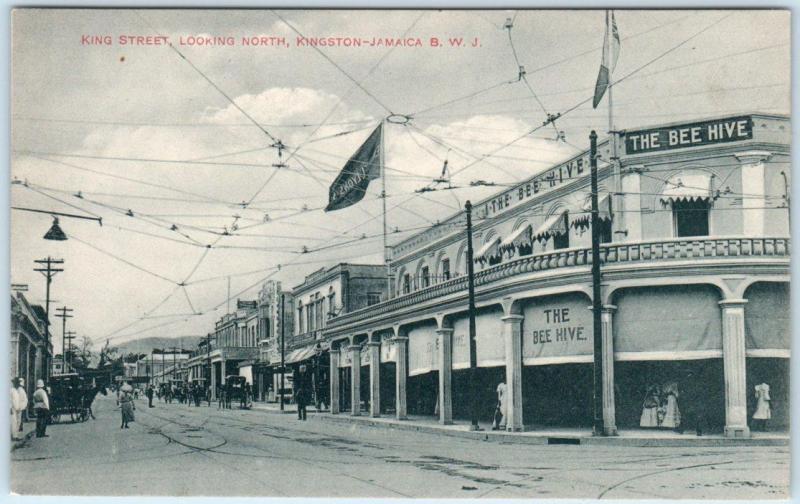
x=488, y=248
x=603, y=212
x=521, y=236
x=555, y=225
x=687, y=187
x=300, y=354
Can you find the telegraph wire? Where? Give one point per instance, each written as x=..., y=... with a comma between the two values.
x=345, y=73
x=125, y=261
x=341, y=99
x=213, y=84
x=130, y=179
x=522, y=74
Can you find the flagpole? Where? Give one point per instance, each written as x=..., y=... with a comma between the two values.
x=616, y=200
x=383, y=201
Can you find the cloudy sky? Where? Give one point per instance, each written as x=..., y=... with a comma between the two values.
x=151, y=140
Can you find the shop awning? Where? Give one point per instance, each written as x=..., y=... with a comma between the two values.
x=555, y=225
x=522, y=236
x=691, y=187
x=603, y=212
x=300, y=354
x=487, y=249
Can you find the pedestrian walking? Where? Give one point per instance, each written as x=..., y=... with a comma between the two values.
x=41, y=405
x=127, y=407
x=301, y=397
x=149, y=393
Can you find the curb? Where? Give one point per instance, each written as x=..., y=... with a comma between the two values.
x=516, y=438
x=21, y=443
x=507, y=438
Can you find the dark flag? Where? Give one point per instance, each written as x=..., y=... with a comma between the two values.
x=365, y=165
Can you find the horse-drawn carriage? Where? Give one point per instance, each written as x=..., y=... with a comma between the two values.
x=236, y=390
x=71, y=394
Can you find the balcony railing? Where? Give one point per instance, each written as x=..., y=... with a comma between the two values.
x=693, y=249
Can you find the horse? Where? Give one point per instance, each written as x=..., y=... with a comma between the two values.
x=87, y=399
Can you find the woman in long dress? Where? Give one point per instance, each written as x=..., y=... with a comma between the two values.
x=763, y=410
x=650, y=405
x=672, y=414
x=501, y=409
x=126, y=407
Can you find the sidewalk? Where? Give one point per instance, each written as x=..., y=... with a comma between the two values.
x=28, y=431
x=539, y=435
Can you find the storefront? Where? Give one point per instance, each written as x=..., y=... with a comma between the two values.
x=694, y=322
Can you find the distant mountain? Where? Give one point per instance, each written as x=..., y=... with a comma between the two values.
x=146, y=345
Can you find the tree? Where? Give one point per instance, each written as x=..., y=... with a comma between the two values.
x=108, y=354
x=81, y=354
x=132, y=358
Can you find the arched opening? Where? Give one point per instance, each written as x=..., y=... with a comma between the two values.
x=668, y=370
x=767, y=349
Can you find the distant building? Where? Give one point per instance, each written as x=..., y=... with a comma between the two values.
x=57, y=366
x=324, y=295
x=270, y=327
x=31, y=353
x=232, y=342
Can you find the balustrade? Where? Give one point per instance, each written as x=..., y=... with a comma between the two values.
x=610, y=254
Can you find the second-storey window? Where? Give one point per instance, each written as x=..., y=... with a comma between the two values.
x=406, y=283
x=690, y=218
x=445, y=269
x=426, y=277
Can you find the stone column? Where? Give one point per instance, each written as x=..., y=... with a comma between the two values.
x=445, y=335
x=733, y=357
x=374, y=348
x=754, y=186
x=632, y=202
x=355, y=381
x=512, y=338
x=607, y=336
x=334, y=379
x=213, y=383
x=38, y=361
x=222, y=372
x=15, y=364
x=401, y=370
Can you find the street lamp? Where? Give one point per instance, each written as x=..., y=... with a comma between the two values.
x=55, y=232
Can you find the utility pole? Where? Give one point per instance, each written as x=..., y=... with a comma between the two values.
x=174, y=365
x=71, y=335
x=473, y=347
x=63, y=314
x=597, y=304
x=152, y=370
x=49, y=272
x=283, y=346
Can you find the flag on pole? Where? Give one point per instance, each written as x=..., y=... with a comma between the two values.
x=364, y=166
x=610, y=54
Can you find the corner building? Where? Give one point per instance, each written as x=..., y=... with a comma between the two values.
x=695, y=285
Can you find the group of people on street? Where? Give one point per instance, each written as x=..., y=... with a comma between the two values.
x=20, y=404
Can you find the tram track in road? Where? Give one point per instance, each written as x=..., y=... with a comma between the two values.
x=206, y=451
x=654, y=473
